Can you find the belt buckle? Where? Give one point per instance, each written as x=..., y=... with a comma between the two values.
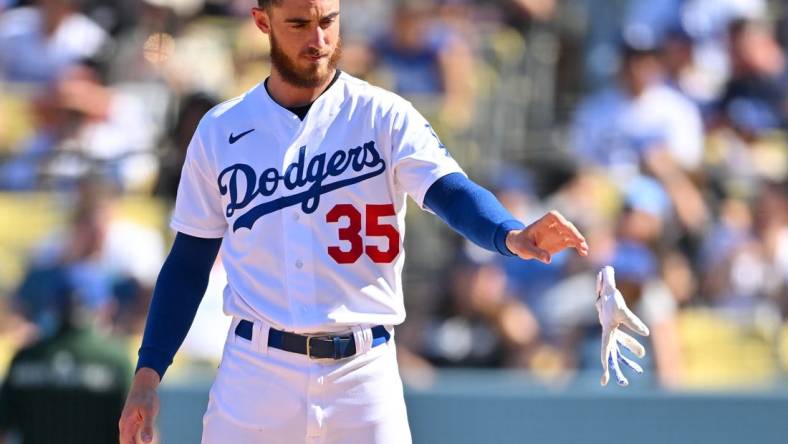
x=309, y=346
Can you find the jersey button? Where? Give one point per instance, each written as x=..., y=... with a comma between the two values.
x=296, y=216
x=299, y=264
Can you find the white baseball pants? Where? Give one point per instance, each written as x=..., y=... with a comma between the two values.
x=266, y=395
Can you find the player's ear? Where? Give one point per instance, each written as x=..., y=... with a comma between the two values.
x=262, y=19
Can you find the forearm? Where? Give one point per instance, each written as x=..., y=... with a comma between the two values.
x=179, y=289
x=688, y=200
x=472, y=211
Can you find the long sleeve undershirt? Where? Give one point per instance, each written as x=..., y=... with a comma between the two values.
x=465, y=206
x=472, y=211
x=179, y=289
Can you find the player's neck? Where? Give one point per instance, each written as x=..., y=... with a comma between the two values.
x=289, y=95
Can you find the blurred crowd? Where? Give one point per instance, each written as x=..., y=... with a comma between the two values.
x=672, y=160
x=658, y=127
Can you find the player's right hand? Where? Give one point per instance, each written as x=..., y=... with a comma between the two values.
x=545, y=237
x=142, y=406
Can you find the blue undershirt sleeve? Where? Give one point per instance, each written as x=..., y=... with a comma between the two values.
x=472, y=211
x=179, y=289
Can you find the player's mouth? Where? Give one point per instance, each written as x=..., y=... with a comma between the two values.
x=315, y=57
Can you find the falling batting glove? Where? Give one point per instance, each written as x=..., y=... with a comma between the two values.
x=613, y=312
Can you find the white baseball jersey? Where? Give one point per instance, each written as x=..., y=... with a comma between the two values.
x=312, y=212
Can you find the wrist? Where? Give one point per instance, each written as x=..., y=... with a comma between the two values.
x=504, y=235
x=510, y=236
x=146, y=377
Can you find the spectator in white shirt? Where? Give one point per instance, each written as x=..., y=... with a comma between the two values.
x=38, y=43
x=642, y=125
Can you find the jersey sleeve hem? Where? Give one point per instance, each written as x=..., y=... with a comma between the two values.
x=153, y=359
x=430, y=180
x=499, y=238
x=196, y=232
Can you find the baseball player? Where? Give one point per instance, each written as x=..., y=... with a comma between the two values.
x=301, y=183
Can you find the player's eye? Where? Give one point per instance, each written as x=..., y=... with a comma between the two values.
x=326, y=23
x=299, y=26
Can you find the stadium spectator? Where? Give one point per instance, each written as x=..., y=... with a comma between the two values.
x=616, y=127
x=98, y=250
x=70, y=385
x=745, y=147
x=739, y=273
x=641, y=124
x=39, y=43
x=426, y=62
x=706, y=23
x=83, y=125
x=647, y=212
x=755, y=99
x=141, y=54
x=771, y=228
x=684, y=74
x=478, y=323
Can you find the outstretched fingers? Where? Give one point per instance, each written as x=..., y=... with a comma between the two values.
x=630, y=363
x=607, y=342
x=577, y=239
x=613, y=359
x=633, y=322
x=571, y=235
x=630, y=343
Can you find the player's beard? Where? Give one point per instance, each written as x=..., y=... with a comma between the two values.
x=291, y=73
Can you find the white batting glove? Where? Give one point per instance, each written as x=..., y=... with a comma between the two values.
x=613, y=312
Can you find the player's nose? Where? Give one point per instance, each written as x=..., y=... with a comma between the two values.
x=318, y=40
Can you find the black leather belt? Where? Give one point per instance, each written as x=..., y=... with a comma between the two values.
x=318, y=347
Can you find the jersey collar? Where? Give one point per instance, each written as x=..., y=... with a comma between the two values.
x=286, y=112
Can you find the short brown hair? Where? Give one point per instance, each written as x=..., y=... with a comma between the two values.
x=267, y=3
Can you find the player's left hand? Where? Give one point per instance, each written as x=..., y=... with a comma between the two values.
x=546, y=237
x=613, y=313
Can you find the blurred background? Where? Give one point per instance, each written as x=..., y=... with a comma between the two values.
x=659, y=127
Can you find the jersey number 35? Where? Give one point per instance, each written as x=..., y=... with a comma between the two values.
x=352, y=233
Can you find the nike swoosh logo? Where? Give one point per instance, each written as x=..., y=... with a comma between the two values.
x=234, y=139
